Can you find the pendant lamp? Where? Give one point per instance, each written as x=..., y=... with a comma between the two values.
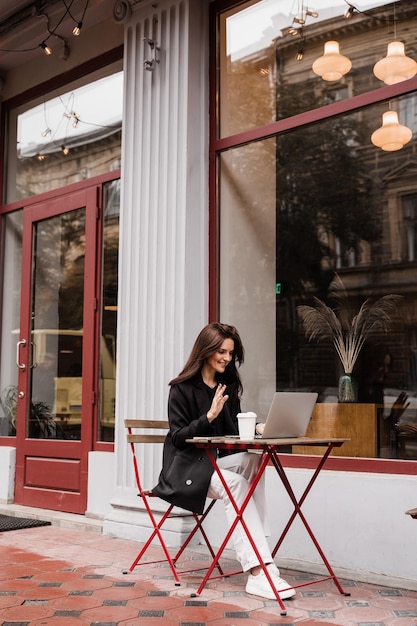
x=396, y=66
x=332, y=65
x=391, y=135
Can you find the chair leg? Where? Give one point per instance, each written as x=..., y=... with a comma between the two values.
x=172, y=561
x=198, y=526
x=156, y=532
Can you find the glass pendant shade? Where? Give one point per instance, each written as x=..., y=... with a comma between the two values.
x=395, y=67
x=391, y=135
x=332, y=65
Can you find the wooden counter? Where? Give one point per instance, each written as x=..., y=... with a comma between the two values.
x=354, y=421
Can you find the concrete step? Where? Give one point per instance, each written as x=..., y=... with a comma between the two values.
x=57, y=518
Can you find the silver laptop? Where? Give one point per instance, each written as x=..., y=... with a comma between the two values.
x=289, y=414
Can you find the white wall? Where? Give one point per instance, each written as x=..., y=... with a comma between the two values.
x=358, y=519
x=101, y=483
x=7, y=473
x=163, y=224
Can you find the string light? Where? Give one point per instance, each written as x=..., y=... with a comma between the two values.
x=300, y=51
x=349, y=12
x=77, y=29
x=299, y=20
x=47, y=50
x=65, y=150
x=36, y=12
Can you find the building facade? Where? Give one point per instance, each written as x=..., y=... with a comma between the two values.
x=181, y=161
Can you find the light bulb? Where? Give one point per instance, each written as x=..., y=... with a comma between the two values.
x=47, y=50
x=349, y=12
x=77, y=29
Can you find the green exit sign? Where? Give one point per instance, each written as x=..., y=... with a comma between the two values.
x=278, y=288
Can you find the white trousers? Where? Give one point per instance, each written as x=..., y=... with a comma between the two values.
x=238, y=471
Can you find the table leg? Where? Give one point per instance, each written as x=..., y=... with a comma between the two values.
x=239, y=518
x=297, y=511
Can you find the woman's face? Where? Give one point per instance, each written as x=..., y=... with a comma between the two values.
x=218, y=361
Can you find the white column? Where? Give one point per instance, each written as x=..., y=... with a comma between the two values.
x=163, y=274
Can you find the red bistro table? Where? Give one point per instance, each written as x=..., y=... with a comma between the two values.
x=269, y=449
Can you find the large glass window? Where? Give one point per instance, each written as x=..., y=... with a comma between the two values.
x=316, y=214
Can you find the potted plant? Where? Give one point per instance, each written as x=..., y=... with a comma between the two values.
x=347, y=331
x=44, y=425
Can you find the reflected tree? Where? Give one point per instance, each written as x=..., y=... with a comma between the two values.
x=323, y=194
x=322, y=189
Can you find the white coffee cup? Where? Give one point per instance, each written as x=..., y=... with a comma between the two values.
x=246, y=424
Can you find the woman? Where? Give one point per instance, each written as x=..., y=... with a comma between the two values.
x=199, y=406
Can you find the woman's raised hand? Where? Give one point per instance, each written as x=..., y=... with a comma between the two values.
x=218, y=403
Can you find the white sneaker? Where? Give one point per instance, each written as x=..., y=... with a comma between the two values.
x=259, y=586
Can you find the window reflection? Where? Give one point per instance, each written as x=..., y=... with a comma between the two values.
x=268, y=46
x=11, y=245
x=107, y=366
x=67, y=138
x=296, y=210
x=57, y=327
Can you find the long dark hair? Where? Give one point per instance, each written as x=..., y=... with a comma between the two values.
x=207, y=343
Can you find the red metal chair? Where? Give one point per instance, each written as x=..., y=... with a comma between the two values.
x=133, y=439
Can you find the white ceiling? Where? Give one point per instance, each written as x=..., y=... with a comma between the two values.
x=24, y=25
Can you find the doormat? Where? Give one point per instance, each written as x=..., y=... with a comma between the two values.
x=9, y=522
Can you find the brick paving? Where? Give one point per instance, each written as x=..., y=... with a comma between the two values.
x=53, y=576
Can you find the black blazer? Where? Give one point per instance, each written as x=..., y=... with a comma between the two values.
x=186, y=470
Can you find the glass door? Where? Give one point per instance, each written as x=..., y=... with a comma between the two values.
x=55, y=351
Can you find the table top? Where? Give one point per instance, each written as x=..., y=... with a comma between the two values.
x=235, y=442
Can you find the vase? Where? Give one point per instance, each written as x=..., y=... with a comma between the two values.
x=348, y=388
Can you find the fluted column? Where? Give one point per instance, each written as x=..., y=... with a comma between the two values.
x=164, y=220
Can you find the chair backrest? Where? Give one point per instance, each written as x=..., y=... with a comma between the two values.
x=133, y=438
x=133, y=424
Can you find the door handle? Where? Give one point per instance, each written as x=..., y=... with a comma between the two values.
x=22, y=342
